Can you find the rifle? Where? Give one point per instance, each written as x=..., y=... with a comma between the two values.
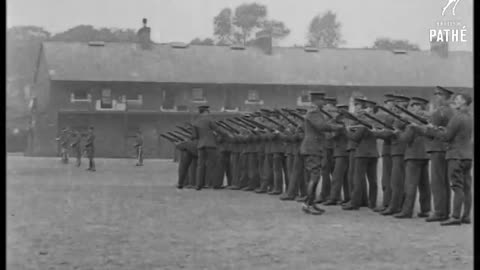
x=181, y=134
x=227, y=127
x=250, y=126
x=393, y=114
x=259, y=125
x=273, y=121
x=175, y=136
x=414, y=116
x=288, y=119
x=354, y=118
x=169, y=139
x=379, y=121
x=185, y=130
x=294, y=114
x=238, y=124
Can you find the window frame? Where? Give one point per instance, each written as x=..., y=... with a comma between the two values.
x=74, y=99
x=202, y=100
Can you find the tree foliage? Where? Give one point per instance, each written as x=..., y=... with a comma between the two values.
x=277, y=28
x=205, y=42
x=222, y=24
x=324, y=31
x=391, y=44
x=86, y=33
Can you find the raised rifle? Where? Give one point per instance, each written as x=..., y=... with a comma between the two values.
x=240, y=124
x=172, y=140
x=227, y=127
x=354, y=118
x=280, y=126
x=181, y=134
x=175, y=136
x=373, y=118
x=250, y=126
x=294, y=114
x=259, y=125
x=293, y=123
x=412, y=115
x=185, y=130
x=393, y=114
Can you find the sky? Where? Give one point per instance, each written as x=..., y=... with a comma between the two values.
x=182, y=20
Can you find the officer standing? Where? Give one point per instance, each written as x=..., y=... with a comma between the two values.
x=203, y=131
x=458, y=135
x=312, y=148
x=139, y=147
x=64, y=143
x=90, y=149
x=188, y=157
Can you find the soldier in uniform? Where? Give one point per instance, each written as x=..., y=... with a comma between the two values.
x=436, y=150
x=340, y=154
x=416, y=167
x=76, y=147
x=366, y=157
x=203, y=132
x=235, y=161
x=252, y=162
x=277, y=154
x=312, y=148
x=225, y=148
x=328, y=160
x=90, y=149
x=459, y=156
x=139, y=148
x=187, y=163
x=386, y=155
x=64, y=139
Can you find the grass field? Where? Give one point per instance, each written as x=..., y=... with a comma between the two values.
x=127, y=217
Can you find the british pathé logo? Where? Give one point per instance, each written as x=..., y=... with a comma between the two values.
x=450, y=3
x=449, y=31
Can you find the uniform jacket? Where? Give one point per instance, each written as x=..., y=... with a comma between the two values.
x=387, y=143
x=415, y=143
x=316, y=125
x=340, y=143
x=367, y=142
x=458, y=134
x=203, y=131
x=440, y=117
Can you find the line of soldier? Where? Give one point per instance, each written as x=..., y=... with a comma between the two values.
x=288, y=151
x=72, y=140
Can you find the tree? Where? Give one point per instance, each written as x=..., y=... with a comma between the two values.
x=324, y=31
x=248, y=17
x=86, y=33
x=205, y=42
x=277, y=28
x=390, y=44
x=222, y=24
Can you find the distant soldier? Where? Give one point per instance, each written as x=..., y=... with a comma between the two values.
x=458, y=134
x=139, y=148
x=312, y=148
x=64, y=139
x=90, y=149
x=203, y=131
x=76, y=147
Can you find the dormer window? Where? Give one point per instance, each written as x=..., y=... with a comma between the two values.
x=253, y=97
x=198, y=95
x=80, y=96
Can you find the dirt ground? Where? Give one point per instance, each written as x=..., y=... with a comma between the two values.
x=127, y=217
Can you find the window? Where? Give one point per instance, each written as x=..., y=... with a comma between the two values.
x=197, y=95
x=132, y=95
x=304, y=98
x=106, y=102
x=253, y=95
x=80, y=95
x=168, y=102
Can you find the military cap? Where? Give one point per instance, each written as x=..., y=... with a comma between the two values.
x=389, y=97
x=419, y=100
x=331, y=100
x=342, y=106
x=443, y=91
x=401, y=98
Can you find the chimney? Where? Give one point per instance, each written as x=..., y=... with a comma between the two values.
x=263, y=41
x=144, y=35
x=439, y=48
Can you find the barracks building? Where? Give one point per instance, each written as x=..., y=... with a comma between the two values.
x=120, y=87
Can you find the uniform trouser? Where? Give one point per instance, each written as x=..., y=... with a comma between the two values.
x=205, y=164
x=267, y=172
x=386, y=174
x=64, y=154
x=327, y=170
x=339, y=178
x=78, y=155
x=192, y=172
x=139, y=155
x=253, y=175
x=440, y=186
x=351, y=176
x=225, y=168
x=261, y=160
x=313, y=164
x=243, y=170
x=91, y=163
x=416, y=177
x=365, y=166
x=297, y=179
x=460, y=178
x=286, y=173
x=397, y=182
x=288, y=167
x=278, y=172
x=183, y=166
x=234, y=159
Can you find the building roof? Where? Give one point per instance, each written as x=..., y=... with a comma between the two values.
x=77, y=61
